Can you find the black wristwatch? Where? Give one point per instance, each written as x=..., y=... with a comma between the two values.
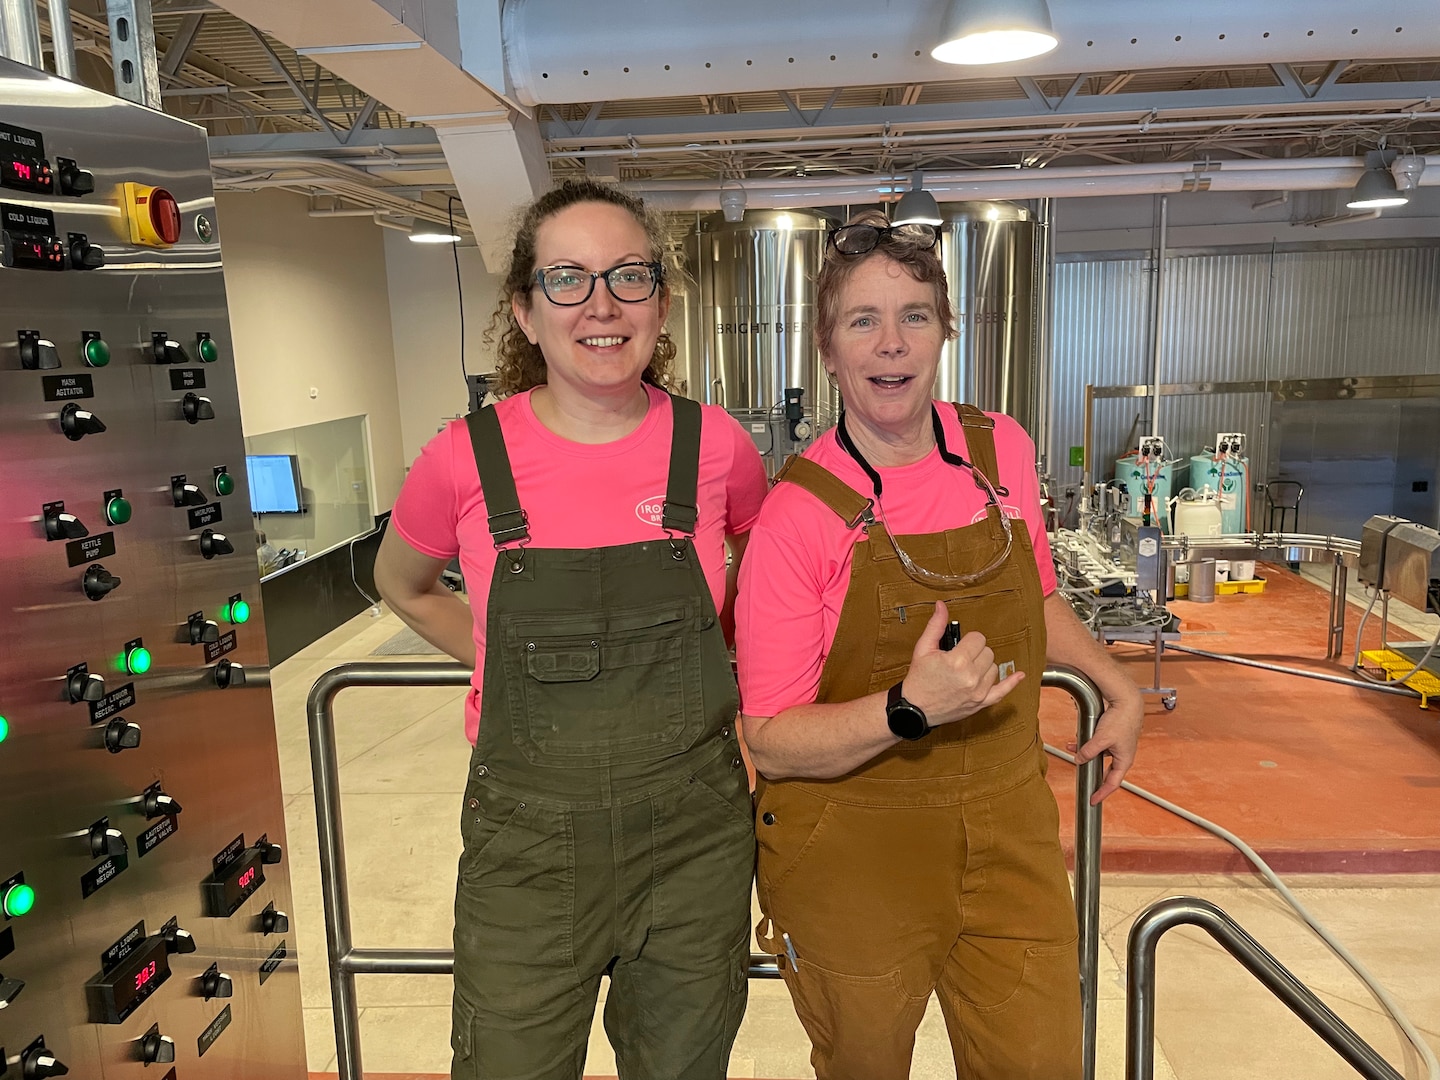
x=907, y=721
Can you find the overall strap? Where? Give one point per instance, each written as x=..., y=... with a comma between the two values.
x=508, y=523
x=681, y=511
x=980, y=443
x=852, y=507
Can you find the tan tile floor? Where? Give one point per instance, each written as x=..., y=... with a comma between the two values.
x=403, y=759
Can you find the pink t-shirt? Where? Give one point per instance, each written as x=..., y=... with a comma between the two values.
x=576, y=495
x=797, y=566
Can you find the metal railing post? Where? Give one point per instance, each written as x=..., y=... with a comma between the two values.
x=1164, y=915
x=1088, y=707
x=346, y=961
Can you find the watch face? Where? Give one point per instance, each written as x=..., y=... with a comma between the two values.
x=906, y=721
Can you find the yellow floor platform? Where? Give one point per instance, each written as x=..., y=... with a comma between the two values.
x=1394, y=664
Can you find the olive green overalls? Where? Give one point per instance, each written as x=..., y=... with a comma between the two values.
x=936, y=866
x=607, y=820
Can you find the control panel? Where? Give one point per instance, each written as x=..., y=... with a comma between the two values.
x=143, y=878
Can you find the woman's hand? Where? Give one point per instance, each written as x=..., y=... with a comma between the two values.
x=950, y=686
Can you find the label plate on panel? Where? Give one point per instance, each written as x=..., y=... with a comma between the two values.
x=156, y=835
x=29, y=220
x=65, y=387
x=229, y=854
x=273, y=962
x=118, y=700
x=96, y=879
x=216, y=649
x=89, y=548
x=124, y=947
x=214, y=1031
x=203, y=516
x=187, y=378
x=22, y=141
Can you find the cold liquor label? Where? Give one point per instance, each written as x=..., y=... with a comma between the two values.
x=272, y=962
x=214, y=1031
x=203, y=516
x=106, y=872
x=227, y=856
x=124, y=947
x=66, y=387
x=28, y=220
x=156, y=835
x=187, y=378
x=118, y=700
x=216, y=649
x=89, y=548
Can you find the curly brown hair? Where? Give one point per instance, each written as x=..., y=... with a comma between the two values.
x=923, y=264
x=519, y=365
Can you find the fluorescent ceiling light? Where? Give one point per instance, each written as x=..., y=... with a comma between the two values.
x=429, y=233
x=994, y=31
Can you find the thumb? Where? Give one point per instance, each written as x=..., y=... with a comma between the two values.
x=934, y=630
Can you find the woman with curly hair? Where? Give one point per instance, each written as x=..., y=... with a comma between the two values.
x=606, y=821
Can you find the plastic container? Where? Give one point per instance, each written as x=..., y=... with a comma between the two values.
x=1197, y=515
x=1222, y=570
x=1202, y=581
x=1242, y=570
x=1230, y=476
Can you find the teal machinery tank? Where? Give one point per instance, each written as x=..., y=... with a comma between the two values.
x=1139, y=475
x=1229, y=474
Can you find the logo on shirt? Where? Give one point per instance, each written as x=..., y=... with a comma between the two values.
x=651, y=510
x=1012, y=512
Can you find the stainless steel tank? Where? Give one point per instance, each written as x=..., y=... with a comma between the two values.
x=754, y=335
x=989, y=252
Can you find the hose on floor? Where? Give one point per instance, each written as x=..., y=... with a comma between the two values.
x=1359, y=634
x=1389, y=1004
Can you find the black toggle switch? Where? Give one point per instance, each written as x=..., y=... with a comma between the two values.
x=213, y=543
x=9, y=991
x=203, y=631
x=216, y=984
x=62, y=526
x=274, y=922
x=156, y=1049
x=120, y=734
x=158, y=804
x=167, y=350
x=178, y=940
x=185, y=494
x=76, y=422
x=38, y=1062
x=270, y=854
x=105, y=840
x=83, y=254
x=229, y=674
x=85, y=686
x=197, y=408
x=36, y=353
x=73, y=179
x=98, y=582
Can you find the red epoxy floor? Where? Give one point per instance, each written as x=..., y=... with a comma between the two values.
x=1314, y=776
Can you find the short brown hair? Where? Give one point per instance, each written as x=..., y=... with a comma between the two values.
x=519, y=365
x=923, y=264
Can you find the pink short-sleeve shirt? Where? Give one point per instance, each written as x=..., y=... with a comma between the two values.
x=797, y=565
x=576, y=495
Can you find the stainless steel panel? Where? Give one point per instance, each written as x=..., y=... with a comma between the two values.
x=1412, y=562
x=213, y=750
x=989, y=254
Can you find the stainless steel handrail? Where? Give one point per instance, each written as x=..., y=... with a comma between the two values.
x=1164, y=915
x=346, y=961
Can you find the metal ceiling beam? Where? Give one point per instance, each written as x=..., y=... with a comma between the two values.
x=319, y=142
x=295, y=87
x=180, y=44
x=1092, y=107
x=366, y=114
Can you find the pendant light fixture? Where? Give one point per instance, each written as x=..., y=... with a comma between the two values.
x=994, y=31
x=1376, y=187
x=917, y=206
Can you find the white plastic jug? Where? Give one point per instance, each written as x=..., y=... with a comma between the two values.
x=1195, y=513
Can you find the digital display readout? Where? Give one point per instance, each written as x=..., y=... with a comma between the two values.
x=226, y=890
x=34, y=252
x=119, y=992
x=26, y=174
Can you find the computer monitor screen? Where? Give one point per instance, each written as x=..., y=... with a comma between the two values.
x=274, y=483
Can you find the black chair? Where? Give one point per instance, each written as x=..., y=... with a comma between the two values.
x=1283, y=497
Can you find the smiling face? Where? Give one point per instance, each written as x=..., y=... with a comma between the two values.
x=601, y=346
x=885, y=347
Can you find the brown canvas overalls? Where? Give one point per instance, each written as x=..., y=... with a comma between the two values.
x=936, y=866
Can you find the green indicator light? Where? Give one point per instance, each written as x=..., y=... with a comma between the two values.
x=4, y=729
x=138, y=660
x=224, y=483
x=239, y=612
x=19, y=899
x=97, y=353
x=118, y=511
x=208, y=350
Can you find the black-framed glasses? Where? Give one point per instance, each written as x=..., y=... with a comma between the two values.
x=858, y=239
x=630, y=282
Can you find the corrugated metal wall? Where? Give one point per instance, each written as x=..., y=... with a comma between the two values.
x=1320, y=312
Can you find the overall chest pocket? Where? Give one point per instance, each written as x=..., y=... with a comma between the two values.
x=594, y=689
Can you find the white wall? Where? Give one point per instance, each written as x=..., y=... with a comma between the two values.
x=425, y=321
x=309, y=308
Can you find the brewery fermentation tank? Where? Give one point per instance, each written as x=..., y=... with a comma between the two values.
x=750, y=333
x=995, y=271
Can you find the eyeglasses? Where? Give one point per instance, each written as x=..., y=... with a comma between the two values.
x=858, y=239
x=630, y=283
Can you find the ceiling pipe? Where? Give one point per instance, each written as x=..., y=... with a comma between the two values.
x=1057, y=182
